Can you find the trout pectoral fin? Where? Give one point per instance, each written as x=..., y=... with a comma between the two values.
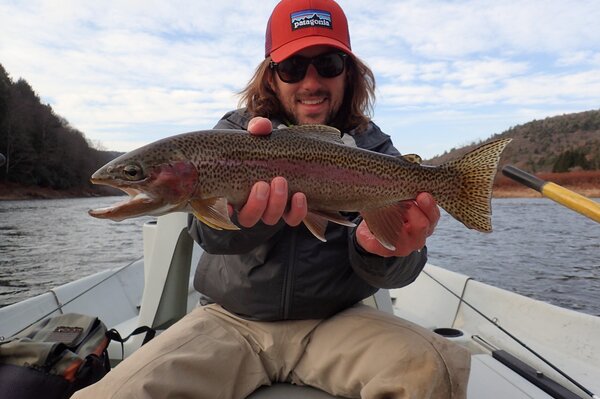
x=214, y=213
x=385, y=223
x=316, y=222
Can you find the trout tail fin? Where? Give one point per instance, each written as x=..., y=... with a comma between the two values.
x=469, y=198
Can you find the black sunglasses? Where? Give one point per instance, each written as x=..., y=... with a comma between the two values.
x=293, y=69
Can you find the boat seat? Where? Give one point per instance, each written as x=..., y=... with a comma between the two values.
x=289, y=391
x=489, y=379
x=380, y=300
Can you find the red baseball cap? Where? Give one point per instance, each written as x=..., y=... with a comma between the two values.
x=297, y=24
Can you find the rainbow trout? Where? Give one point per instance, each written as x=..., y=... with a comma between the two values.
x=202, y=172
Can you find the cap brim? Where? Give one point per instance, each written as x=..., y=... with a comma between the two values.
x=299, y=44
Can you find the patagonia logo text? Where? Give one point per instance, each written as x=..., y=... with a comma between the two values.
x=311, y=18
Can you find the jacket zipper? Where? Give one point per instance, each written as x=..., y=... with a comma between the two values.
x=288, y=280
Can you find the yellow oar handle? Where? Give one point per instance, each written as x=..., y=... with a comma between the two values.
x=563, y=196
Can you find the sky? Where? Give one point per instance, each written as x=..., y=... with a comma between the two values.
x=448, y=73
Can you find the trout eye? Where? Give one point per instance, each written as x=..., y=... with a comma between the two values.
x=133, y=172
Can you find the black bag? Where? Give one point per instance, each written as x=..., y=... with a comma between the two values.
x=54, y=358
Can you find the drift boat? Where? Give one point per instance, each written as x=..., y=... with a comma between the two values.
x=521, y=348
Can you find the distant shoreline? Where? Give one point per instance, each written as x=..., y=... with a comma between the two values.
x=18, y=192
x=586, y=183
x=590, y=192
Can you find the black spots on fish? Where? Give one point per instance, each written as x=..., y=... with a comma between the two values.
x=468, y=195
x=187, y=147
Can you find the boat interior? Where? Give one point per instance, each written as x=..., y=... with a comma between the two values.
x=157, y=290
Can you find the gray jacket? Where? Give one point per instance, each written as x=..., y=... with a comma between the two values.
x=281, y=272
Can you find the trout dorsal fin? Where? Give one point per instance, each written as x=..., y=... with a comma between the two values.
x=317, y=132
x=412, y=158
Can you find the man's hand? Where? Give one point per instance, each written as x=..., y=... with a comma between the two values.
x=420, y=218
x=267, y=202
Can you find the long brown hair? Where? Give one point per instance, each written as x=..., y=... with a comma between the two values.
x=357, y=106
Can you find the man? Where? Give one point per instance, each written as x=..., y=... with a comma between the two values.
x=287, y=304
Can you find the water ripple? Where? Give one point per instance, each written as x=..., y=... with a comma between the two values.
x=45, y=243
x=538, y=249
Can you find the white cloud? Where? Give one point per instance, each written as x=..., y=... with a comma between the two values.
x=128, y=72
x=485, y=72
x=452, y=29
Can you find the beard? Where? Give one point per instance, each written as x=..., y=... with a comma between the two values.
x=294, y=116
x=302, y=120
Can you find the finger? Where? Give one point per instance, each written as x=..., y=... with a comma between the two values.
x=412, y=231
x=427, y=204
x=415, y=237
x=256, y=204
x=298, y=210
x=260, y=126
x=278, y=195
x=417, y=227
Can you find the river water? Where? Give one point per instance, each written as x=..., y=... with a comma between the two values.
x=538, y=248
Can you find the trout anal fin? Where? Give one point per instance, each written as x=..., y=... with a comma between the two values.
x=214, y=213
x=385, y=223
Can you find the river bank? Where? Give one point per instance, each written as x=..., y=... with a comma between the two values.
x=15, y=191
x=586, y=183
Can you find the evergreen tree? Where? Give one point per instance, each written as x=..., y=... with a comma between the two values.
x=40, y=147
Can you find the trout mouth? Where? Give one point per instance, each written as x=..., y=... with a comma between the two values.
x=137, y=204
x=160, y=189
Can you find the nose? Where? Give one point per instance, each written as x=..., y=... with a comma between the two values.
x=312, y=79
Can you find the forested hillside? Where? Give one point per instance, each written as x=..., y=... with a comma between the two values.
x=40, y=147
x=555, y=144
